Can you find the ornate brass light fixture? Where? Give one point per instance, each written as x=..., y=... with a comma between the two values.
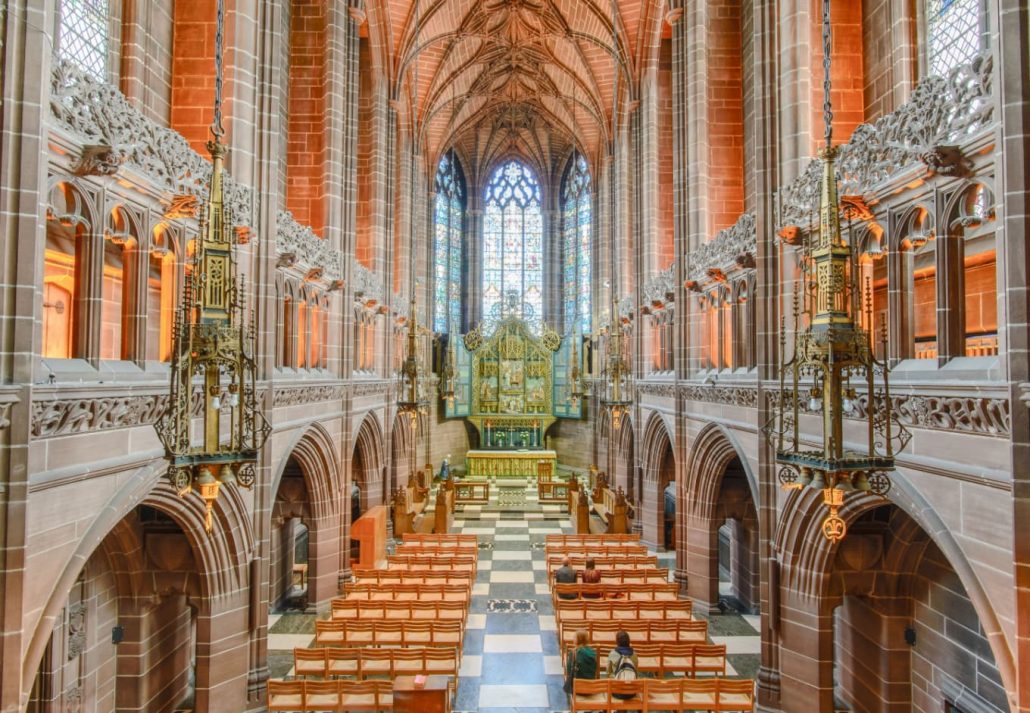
x=574, y=378
x=211, y=341
x=832, y=355
x=449, y=375
x=412, y=402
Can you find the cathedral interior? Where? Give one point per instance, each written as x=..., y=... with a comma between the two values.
x=334, y=334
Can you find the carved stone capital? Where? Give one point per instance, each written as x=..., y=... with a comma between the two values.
x=99, y=160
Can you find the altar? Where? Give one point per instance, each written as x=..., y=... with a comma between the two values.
x=508, y=464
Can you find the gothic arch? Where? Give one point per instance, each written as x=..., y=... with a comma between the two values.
x=314, y=452
x=712, y=450
x=655, y=441
x=369, y=451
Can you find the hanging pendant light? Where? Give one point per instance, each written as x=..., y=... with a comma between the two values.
x=832, y=354
x=210, y=341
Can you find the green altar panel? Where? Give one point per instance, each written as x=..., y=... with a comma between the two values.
x=507, y=464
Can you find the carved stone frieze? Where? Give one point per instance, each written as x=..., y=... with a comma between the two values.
x=371, y=388
x=63, y=417
x=298, y=244
x=745, y=396
x=732, y=247
x=660, y=291
x=76, y=629
x=5, y=415
x=298, y=395
x=99, y=160
x=656, y=388
x=368, y=288
x=941, y=113
x=100, y=115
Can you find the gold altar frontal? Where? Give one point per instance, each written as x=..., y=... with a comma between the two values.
x=507, y=464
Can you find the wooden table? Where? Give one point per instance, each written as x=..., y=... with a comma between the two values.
x=434, y=697
x=507, y=464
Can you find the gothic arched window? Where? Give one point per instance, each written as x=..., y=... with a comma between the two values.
x=447, y=255
x=513, y=244
x=576, y=217
x=955, y=33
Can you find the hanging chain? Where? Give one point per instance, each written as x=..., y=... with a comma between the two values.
x=827, y=49
x=216, y=125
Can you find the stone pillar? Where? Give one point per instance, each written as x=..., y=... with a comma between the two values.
x=807, y=673
x=222, y=642
x=702, y=561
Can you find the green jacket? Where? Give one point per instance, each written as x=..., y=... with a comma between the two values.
x=582, y=664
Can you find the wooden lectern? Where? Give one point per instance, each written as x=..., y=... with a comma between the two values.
x=369, y=531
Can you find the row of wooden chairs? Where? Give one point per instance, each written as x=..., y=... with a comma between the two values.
x=410, y=592
x=601, y=634
x=573, y=614
x=662, y=591
x=672, y=659
x=592, y=539
x=449, y=550
x=629, y=576
x=334, y=696
x=610, y=562
x=361, y=663
x=388, y=632
x=443, y=538
x=400, y=576
x=652, y=694
x=363, y=609
x=594, y=550
x=418, y=563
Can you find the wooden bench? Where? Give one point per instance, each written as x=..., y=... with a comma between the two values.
x=329, y=695
x=552, y=492
x=472, y=491
x=651, y=631
x=409, y=592
x=594, y=550
x=572, y=614
x=668, y=659
x=429, y=550
x=388, y=632
x=610, y=562
x=663, y=591
x=353, y=662
x=593, y=539
x=417, y=563
x=440, y=539
x=361, y=609
x=628, y=576
x=649, y=694
x=400, y=576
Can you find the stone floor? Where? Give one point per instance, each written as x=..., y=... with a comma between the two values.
x=511, y=660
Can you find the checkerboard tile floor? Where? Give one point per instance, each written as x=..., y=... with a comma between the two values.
x=511, y=659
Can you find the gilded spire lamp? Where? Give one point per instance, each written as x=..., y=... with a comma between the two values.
x=832, y=358
x=211, y=344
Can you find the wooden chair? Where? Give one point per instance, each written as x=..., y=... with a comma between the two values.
x=735, y=695
x=700, y=693
x=343, y=662
x=710, y=658
x=285, y=695
x=366, y=696
x=441, y=661
x=376, y=662
x=309, y=662
x=662, y=695
x=589, y=695
x=321, y=696
x=618, y=690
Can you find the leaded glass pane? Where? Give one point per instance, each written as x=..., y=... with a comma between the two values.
x=447, y=248
x=83, y=35
x=955, y=33
x=513, y=243
x=576, y=245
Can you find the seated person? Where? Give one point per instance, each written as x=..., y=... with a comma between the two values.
x=591, y=575
x=565, y=575
x=581, y=663
x=622, y=662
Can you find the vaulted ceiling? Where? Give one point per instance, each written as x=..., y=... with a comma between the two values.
x=528, y=77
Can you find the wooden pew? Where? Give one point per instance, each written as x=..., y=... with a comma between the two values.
x=364, y=663
x=592, y=539
x=589, y=550
x=388, y=632
x=572, y=614
x=430, y=550
x=708, y=694
x=628, y=576
x=407, y=505
x=344, y=695
x=400, y=576
x=409, y=592
x=664, y=591
x=440, y=539
x=418, y=563
x=362, y=609
x=649, y=631
x=670, y=659
x=610, y=562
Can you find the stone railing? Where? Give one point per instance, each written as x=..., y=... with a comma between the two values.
x=731, y=248
x=297, y=246
x=114, y=133
x=942, y=114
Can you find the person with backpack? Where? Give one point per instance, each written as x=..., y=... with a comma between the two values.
x=581, y=663
x=622, y=662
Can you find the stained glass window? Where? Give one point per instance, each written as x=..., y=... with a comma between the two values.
x=447, y=256
x=955, y=33
x=576, y=216
x=83, y=35
x=513, y=232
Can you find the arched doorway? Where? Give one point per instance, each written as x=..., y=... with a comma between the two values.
x=658, y=472
x=367, y=465
x=721, y=523
x=289, y=568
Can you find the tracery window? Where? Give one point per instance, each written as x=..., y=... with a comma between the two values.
x=576, y=245
x=83, y=35
x=447, y=252
x=955, y=33
x=513, y=243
